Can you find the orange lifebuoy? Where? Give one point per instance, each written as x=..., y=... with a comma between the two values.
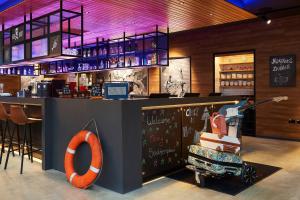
x=91, y=175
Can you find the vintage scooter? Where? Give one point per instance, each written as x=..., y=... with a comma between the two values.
x=217, y=154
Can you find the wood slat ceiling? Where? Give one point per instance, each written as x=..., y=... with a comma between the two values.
x=107, y=18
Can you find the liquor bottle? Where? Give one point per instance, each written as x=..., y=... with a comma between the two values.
x=120, y=49
x=104, y=51
x=100, y=52
x=101, y=64
x=153, y=44
x=88, y=53
x=153, y=59
x=95, y=52
x=129, y=62
x=137, y=61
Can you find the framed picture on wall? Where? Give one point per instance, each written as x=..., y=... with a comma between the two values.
x=176, y=78
x=137, y=78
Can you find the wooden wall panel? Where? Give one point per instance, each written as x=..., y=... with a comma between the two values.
x=282, y=37
x=12, y=84
x=154, y=80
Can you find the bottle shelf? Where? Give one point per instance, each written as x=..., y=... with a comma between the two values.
x=143, y=50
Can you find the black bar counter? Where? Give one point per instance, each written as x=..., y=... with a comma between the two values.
x=120, y=126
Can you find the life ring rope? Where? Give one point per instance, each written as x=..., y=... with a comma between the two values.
x=94, y=171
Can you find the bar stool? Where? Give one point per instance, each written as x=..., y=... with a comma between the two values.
x=4, y=118
x=20, y=119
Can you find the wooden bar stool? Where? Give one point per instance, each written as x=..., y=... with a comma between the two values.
x=20, y=119
x=4, y=119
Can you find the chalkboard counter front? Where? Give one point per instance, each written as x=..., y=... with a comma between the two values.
x=167, y=131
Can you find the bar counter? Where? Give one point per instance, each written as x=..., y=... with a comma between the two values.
x=120, y=128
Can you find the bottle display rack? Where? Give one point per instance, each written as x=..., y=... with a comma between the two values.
x=143, y=50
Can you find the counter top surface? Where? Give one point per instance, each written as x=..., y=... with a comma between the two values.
x=138, y=102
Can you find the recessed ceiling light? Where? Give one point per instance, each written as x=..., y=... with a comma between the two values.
x=182, y=2
x=87, y=12
x=211, y=14
x=267, y=20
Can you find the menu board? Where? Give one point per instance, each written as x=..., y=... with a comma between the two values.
x=161, y=141
x=283, y=71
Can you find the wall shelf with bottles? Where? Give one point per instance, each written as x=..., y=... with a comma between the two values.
x=20, y=71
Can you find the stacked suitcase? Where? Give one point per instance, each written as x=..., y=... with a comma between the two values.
x=217, y=154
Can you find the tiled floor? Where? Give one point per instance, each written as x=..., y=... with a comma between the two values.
x=36, y=184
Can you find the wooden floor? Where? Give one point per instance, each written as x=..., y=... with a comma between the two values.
x=36, y=184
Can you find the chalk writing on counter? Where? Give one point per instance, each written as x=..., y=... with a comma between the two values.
x=187, y=131
x=159, y=152
x=161, y=140
x=192, y=112
x=156, y=120
x=156, y=138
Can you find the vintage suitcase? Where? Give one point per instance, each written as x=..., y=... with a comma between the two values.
x=220, y=142
x=215, y=161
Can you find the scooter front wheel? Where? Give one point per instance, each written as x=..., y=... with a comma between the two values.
x=248, y=174
x=200, y=179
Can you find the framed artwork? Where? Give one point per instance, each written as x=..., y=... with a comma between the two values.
x=138, y=78
x=176, y=78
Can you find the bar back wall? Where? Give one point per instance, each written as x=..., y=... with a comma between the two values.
x=281, y=37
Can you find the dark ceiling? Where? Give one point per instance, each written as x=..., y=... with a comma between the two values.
x=265, y=6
